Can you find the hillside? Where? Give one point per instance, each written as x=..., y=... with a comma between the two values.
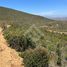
x=18, y=18
x=24, y=31
x=10, y=15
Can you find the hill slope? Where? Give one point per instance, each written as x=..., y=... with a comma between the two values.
x=10, y=15
x=18, y=18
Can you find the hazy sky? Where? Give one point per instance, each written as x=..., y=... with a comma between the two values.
x=40, y=7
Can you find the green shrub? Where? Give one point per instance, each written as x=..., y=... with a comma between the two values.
x=36, y=58
x=58, y=51
x=20, y=43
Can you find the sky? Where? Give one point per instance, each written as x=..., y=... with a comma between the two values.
x=48, y=8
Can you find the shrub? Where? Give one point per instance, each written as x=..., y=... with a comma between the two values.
x=20, y=43
x=58, y=51
x=36, y=58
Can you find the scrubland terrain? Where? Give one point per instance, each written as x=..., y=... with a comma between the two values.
x=39, y=41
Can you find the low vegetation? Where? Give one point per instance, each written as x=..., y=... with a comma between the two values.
x=34, y=52
x=36, y=58
x=53, y=42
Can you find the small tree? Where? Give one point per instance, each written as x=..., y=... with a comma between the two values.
x=36, y=58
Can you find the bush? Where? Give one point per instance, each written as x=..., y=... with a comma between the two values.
x=20, y=43
x=58, y=51
x=36, y=58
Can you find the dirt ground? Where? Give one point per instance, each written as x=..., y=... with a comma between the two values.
x=8, y=57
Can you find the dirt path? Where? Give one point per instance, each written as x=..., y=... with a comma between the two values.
x=58, y=32
x=8, y=56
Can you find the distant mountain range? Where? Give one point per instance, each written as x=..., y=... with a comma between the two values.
x=61, y=18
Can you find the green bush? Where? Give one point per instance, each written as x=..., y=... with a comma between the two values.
x=58, y=51
x=20, y=43
x=36, y=58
